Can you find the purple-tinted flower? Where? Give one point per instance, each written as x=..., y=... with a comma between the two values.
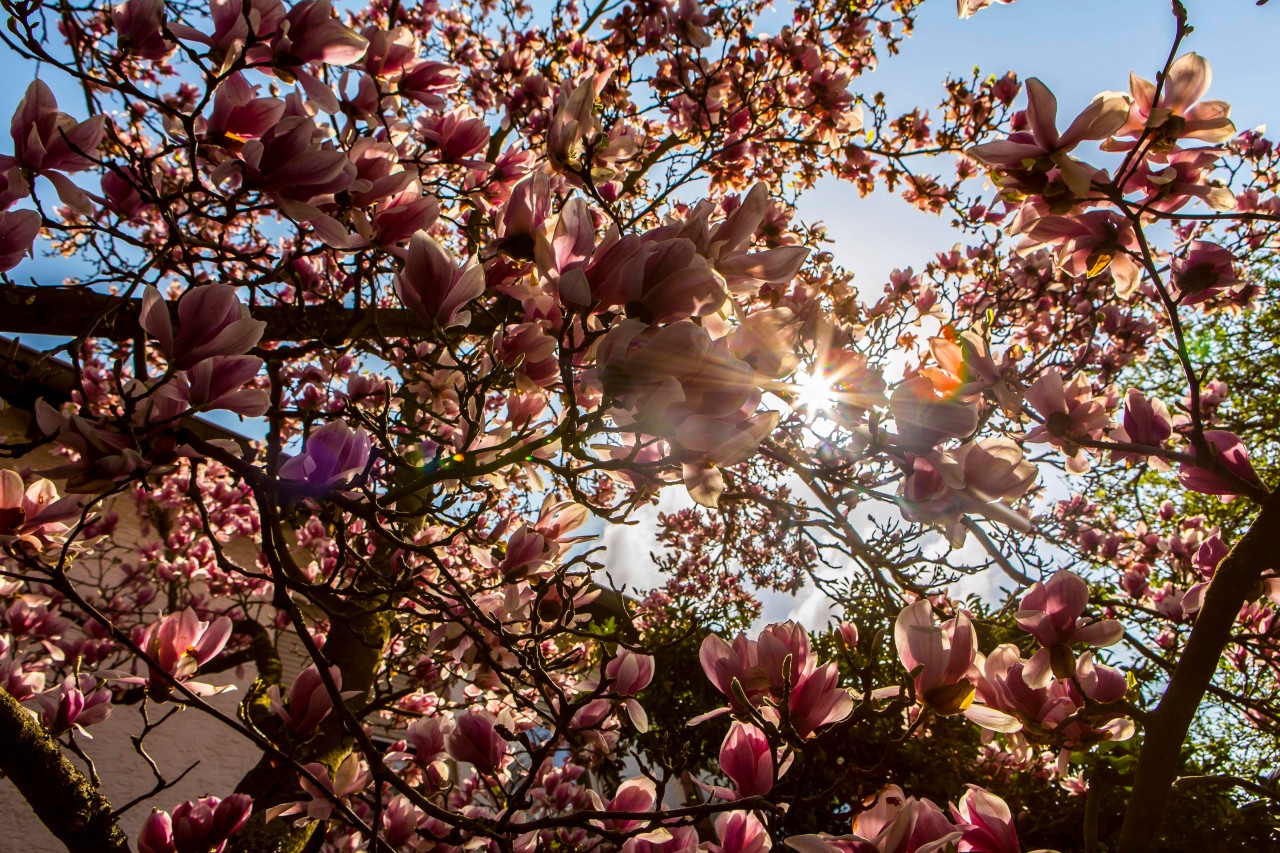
x=330, y=455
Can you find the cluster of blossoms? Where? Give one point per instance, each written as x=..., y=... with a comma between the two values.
x=436, y=261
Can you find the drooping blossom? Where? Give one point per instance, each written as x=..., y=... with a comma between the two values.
x=762, y=674
x=740, y=832
x=923, y=418
x=48, y=143
x=139, y=26
x=331, y=454
x=475, y=739
x=1052, y=612
x=196, y=826
x=18, y=232
x=1204, y=271
x=980, y=478
x=986, y=821
x=746, y=757
x=350, y=778
x=1069, y=411
x=1228, y=451
x=180, y=643
x=892, y=822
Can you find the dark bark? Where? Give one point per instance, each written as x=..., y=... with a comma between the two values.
x=78, y=312
x=60, y=795
x=1161, y=757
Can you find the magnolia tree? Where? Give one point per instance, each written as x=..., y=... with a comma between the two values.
x=484, y=284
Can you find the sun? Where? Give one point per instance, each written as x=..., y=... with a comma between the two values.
x=814, y=392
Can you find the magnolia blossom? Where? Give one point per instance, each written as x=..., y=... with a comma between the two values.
x=432, y=285
x=212, y=321
x=1180, y=112
x=924, y=418
x=1045, y=148
x=139, y=26
x=331, y=454
x=18, y=232
x=349, y=779
x=1229, y=452
x=309, y=701
x=179, y=644
x=1204, y=271
x=1052, y=613
x=49, y=143
x=1069, y=411
x=196, y=826
x=77, y=702
x=33, y=516
x=891, y=823
x=942, y=654
x=761, y=671
x=747, y=758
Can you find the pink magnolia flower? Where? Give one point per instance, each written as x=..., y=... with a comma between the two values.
x=966, y=369
x=1204, y=271
x=1186, y=177
x=740, y=832
x=943, y=655
x=922, y=418
x=1053, y=613
x=293, y=163
x=45, y=139
x=331, y=454
x=311, y=32
x=980, y=478
x=968, y=8
x=986, y=822
x=212, y=321
x=308, y=702
x=432, y=285
x=893, y=823
x=1229, y=451
x=760, y=668
x=1043, y=146
x=629, y=672
x=475, y=740
x=427, y=82
x=216, y=382
x=180, y=644
x=196, y=826
x=746, y=757
x=456, y=135
x=77, y=702
x=349, y=779
x=1070, y=411
x=573, y=123
x=238, y=115
x=18, y=232
x=33, y=515
x=233, y=23
x=1180, y=114
x=1085, y=244
x=139, y=28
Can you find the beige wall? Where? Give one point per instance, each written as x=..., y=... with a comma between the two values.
x=187, y=737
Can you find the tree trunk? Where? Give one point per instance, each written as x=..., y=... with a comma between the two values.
x=1161, y=756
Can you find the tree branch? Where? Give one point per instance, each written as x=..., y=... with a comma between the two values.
x=60, y=795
